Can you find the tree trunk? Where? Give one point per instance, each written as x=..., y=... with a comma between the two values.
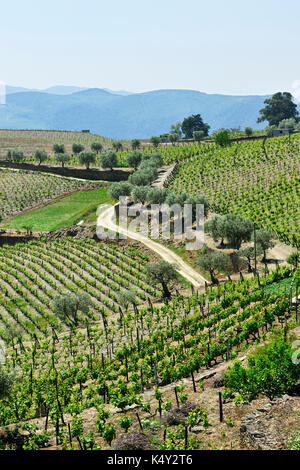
x=166, y=293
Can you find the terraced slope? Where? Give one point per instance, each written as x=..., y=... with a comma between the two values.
x=261, y=184
x=20, y=190
x=32, y=274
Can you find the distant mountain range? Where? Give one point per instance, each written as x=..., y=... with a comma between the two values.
x=121, y=114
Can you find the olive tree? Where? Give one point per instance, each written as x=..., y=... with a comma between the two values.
x=163, y=273
x=212, y=262
x=86, y=158
x=134, y=159
x=154, y=159
x=237, y=230
x=7, y=380
x=96, y=147
x=143, y=177
x=249, y=254
x=127, y=297
x=232, y=227
x=15, y=155
x=58, y=148
x=109, y=160
x=135, y=144
x=117, y=146
x=248, y=131
x=62, y=158
x=77, y=148
x=264, y=238
x=215, y=227
x=140, y=194
x=40, y=155
x=122, y=188
x=155, y=141
x=157, y=195
x=67, y=307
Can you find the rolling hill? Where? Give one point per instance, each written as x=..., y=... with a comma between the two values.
x=119, y=116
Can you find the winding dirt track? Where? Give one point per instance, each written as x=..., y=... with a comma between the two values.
x=105, y=219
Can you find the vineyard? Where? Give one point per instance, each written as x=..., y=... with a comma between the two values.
x=111, y=364
x=23, y=190
x=66, y=265
x=248, y=179
x=30, y=140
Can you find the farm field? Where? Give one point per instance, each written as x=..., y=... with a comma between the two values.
x=67, y=265
x=129, y=362
x=63, y=212
x=21, y=190
x=104, y=368
x=30, y=140
x=243, y=179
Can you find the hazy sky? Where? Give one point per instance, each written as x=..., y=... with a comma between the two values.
x=216, y=46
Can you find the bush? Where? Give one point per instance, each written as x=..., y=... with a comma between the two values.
x=271, y=372
x=222, y=138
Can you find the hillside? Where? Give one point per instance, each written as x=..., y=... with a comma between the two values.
x=118, y=116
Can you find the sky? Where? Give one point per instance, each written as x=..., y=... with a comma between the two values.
x=219, y=46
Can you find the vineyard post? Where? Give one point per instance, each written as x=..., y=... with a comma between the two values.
x=142, y=382
x=194, y=384
x=185, y=437
x=139, y=420
x=155, y=375
x=221, y=407
x=176, y=395
x=255, y=260
x=70, y=435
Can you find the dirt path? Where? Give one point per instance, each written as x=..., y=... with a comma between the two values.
x=105, y=219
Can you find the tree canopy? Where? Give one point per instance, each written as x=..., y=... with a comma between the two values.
x=67, y=306
x=278, y=108
x=163, y=273
x=192, y=124
x=232, y=227
x=120, y=189
x=62, y=158
x=109, y=160
x=96, y=147
x=86, y=158
x=40, y=155
x=134, y=159
x=271, y=372
x=216, y=261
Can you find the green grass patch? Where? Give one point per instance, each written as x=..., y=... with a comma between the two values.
x=61, y=213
